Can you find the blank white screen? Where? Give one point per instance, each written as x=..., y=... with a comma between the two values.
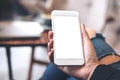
x=67, y=37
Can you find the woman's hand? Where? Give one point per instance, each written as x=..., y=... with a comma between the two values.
x=91, y=60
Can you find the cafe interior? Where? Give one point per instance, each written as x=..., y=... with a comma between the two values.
x=24, y=27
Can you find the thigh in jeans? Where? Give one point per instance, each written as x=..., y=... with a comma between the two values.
x=53, y=73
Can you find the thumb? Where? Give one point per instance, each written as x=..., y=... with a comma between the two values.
x=84, y=32
x=89, y=51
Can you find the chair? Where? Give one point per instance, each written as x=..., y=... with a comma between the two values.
x=34, y=61
x=44, y=35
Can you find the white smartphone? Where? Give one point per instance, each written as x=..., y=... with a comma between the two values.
x=68, y=48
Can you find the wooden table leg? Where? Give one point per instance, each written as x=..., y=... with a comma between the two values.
x=31, y=64
x=9, y=63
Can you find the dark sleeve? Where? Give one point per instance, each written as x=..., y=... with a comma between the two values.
x=103, y=72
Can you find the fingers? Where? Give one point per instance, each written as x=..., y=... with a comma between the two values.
x=51, y=55
x=50, y=46
x=50, y=35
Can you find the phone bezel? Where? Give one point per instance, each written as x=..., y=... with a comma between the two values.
x=68, y=62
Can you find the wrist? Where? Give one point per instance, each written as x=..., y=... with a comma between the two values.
x=91, y=72
x=86, y=72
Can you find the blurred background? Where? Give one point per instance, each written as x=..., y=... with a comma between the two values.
x=24, y=25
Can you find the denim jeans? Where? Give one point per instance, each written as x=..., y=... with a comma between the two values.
x=102, y=49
